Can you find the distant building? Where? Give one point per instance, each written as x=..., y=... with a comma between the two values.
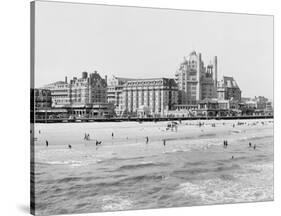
x=82, y=96
x=259, y=105
x=261, y=102
x=228, y=89
x=208, y=107
x=149, y=97
x=42, y=98
x=195, y=80
x=86, y=90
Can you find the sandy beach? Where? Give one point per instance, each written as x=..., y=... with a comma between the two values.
x=127, y=172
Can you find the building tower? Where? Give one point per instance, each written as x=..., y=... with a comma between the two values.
x=215, y=63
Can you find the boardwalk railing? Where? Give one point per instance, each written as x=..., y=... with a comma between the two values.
x=148, y=119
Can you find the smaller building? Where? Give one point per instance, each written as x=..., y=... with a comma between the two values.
x=208, y=107
x=228, y=89
x=42, y=98
x=100, y=110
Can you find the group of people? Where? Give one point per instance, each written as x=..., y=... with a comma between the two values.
x=225, y=143
x=254, y=147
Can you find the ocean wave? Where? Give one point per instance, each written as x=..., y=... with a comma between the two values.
x=69, y=179
x=141, y=165
x=114, y=203
x=148, y=177
x=190, y=171
x=71, y=163
x=115, y=159
x=226, y=189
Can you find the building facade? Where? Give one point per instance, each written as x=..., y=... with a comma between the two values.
x=149, y=97
x=42, y=98
x=195, y=80
x=83, y=91
x=115, y=87
x=228, y=89
x=83, y=97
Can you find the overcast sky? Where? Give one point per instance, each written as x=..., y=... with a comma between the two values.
x=144, y=43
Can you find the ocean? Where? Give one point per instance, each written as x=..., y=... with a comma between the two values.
x=126, y=173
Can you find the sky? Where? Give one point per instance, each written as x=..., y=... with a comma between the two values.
x=145, y=42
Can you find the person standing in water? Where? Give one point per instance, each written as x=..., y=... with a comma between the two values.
x=250, y=144
x=164, y=142
x=47, y=143
x=255, y=147
x=112, y=135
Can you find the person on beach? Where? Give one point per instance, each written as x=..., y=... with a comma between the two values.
x=232, y=157
x=39, y=131
x=255, y=147
x=147, y=139
x=69, y=146
x=47, y=143
x=112, y=135
x=250, y=144
x=164, y=142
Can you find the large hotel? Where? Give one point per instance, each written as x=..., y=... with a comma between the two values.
x=195, y=80
x=195, y=86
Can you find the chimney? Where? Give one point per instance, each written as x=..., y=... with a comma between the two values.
x=84, y=75
x=65, y=79
x=215, y=72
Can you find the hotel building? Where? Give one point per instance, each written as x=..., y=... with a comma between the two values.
x=149, y=97
x=195, y=80
x=115, y=87
x=85, y=96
